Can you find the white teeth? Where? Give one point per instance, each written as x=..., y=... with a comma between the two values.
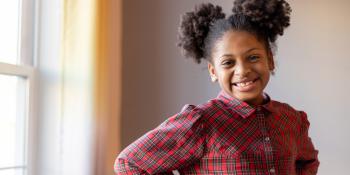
x=244, y=84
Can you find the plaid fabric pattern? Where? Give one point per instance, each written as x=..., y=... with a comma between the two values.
x=225, y=136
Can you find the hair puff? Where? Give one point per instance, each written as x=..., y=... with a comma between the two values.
x=272, y=16
x=194, y=29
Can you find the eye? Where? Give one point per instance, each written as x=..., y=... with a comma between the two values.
x=253, y=58
x=228, y=63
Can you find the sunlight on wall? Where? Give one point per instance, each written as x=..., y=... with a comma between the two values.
x=78, y=50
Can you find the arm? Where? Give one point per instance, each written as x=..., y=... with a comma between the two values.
x=123, y=167
x=175, y=143
x=307, y=161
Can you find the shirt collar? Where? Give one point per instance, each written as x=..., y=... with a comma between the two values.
x=243, y=108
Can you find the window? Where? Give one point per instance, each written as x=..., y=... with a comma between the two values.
x=9, y=15
x=16, y=86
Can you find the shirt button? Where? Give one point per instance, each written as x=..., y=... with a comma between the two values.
x=267, y=139
x=268, y=149
x=272, y=170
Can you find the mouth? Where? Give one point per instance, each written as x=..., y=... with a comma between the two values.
x=246, y=85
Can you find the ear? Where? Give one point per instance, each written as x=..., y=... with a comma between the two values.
x=271, y=61
x=212, y=72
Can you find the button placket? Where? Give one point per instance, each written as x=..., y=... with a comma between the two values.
x=266, y=141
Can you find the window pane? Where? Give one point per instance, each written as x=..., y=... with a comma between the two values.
x=12, y=121
x=9, y=20
x=12, y=172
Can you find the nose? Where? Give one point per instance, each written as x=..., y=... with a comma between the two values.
x=242, y=69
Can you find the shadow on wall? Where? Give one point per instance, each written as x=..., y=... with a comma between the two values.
x=140, y=69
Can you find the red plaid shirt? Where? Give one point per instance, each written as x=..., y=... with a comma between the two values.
x=225, y=136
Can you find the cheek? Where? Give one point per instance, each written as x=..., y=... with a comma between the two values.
x=225, y=78
x=265, y=74
x=263, y=68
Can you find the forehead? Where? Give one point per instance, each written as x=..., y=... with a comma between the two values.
x=236, y=43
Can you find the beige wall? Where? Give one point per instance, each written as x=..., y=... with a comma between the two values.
x=312, y=69
x=157, y=80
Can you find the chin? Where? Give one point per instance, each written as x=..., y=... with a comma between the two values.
x=247, y=97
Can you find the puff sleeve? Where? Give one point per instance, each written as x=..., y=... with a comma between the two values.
x=177, y=142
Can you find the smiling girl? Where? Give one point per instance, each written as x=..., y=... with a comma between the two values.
x=242, y=131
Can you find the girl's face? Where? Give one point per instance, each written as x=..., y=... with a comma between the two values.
x=241, y=64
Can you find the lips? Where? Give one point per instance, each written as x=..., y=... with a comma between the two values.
x=246, y=85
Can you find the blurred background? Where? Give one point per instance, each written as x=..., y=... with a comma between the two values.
x=82, y=79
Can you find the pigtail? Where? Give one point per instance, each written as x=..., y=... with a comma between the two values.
x=194, y=29
x=272, y=16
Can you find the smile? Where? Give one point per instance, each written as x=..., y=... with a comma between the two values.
x=246, y=86
x=246, y=83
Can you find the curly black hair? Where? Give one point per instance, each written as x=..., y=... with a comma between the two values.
x=201, y=28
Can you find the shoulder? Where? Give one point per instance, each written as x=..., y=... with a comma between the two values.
x=284, y=109
x=205, y=108
x=196, y=113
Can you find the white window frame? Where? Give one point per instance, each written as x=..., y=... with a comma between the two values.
x=27, y=73
x=25, y=68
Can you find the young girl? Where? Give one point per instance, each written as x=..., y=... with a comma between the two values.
x=242, y=131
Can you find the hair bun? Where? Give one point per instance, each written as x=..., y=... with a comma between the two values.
x=194, y=28
x=272, y=15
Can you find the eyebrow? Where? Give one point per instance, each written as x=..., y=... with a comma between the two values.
x=249, y=50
